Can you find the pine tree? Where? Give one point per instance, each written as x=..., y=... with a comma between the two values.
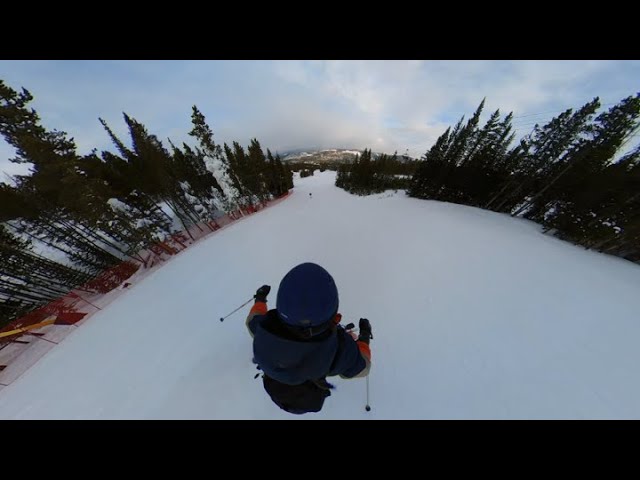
x=551, y=148
x=423, y=182
x=257, y=169
x=215, y=160
x=578, y=193
x=54, y=213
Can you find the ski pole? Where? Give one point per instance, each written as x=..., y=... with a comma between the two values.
x=367, y=408
x=348, y=328
x=222, y=318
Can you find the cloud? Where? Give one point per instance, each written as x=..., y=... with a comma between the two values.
x=385, y=105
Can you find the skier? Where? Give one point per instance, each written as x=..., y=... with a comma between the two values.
x=310, y=196
x=300, y=342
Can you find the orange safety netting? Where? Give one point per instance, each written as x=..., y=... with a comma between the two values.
x=77, y=304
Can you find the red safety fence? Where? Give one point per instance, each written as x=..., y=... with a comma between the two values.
x=94, y=295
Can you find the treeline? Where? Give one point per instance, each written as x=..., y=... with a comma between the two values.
x=566, y=175
x=99, y=209
x=299, y=166
x=368, y=174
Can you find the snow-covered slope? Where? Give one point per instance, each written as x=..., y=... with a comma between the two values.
x=474, y=314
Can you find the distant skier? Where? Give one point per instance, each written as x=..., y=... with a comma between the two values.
x=300, y=342
x=310, y=196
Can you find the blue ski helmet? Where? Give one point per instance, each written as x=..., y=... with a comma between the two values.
x=307, y=296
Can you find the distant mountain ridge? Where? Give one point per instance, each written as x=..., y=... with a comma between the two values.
x=329, y=155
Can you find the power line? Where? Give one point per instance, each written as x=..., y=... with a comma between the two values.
x=532, y=122
x=556, y=111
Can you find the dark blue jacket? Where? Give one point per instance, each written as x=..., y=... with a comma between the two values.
x=288, y=359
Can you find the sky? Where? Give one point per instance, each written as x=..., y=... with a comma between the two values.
x=387, y=106
x=477, y=316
